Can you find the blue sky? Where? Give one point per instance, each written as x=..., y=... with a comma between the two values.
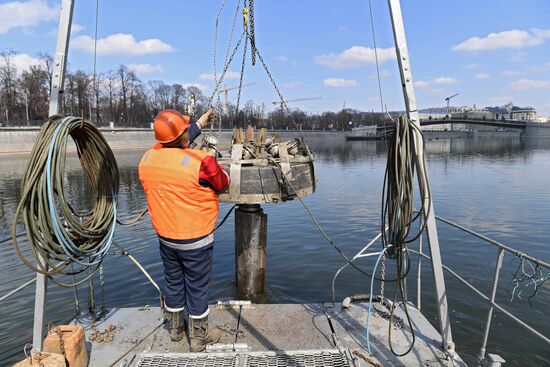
x=491, y=52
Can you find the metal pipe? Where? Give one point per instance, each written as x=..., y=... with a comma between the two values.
x=22, y=286
x=500, y=257
x=250, y=249
x=495, y=305
x=371, y=242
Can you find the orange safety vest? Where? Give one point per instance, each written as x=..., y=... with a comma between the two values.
x=179, y=207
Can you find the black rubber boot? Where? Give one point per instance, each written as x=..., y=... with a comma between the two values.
x=174, y=321
x=200, y=336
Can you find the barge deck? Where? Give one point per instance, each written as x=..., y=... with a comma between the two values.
x=270, y=335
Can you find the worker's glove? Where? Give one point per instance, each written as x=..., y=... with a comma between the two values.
x=206, y=118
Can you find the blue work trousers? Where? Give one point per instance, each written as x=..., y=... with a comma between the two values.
x=186, y=276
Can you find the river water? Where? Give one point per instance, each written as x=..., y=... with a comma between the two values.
x=499, y=187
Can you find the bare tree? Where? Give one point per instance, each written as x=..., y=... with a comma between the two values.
x=8, y=75
x=34, y=86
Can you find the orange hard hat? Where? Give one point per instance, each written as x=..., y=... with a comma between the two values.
x=169, y=125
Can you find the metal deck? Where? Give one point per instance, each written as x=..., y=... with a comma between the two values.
x=270, y=335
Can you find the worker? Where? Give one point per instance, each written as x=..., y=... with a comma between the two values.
x=181, y=185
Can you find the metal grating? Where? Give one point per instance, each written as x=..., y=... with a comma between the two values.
x=188, y=360
x=318, y=358
x=305, y=358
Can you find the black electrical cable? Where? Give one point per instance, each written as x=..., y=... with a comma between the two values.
x=397, y=211
x=58, y=235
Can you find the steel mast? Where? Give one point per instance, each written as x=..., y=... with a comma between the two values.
x=56, y=96
x=431, y=228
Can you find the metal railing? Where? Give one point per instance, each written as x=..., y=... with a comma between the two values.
x=490, y=299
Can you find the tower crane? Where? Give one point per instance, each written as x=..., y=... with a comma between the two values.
x=448, y=99
x=280, y=103
x=226, y=94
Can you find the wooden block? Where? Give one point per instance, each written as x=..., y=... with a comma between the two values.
x=241, y=136
x=70, y=341
x=260, y=140
x=249, y=135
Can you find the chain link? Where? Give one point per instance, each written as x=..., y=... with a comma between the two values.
x=102, y=287
x=75, y=295
x=382, y=276
x=222, y=76
x=283, y=102
x=219, y=102
x=242, y=77
x=214, y=57
x=252, y=34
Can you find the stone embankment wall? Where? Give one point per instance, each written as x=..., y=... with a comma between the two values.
x=21, y=140
x=537, y=130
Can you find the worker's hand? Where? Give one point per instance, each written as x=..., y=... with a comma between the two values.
x=209, y=151
x=206, y=118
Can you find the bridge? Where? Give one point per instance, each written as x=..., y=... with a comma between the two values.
x=487, y=122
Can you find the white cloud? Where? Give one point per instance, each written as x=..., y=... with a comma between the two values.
x=281, y=58
x=198, y=85
x=23, y=62
x=523, y=84
x=75, y=28
x=121, y=44
x=355, y=56
x=512, y=72
x=25, y=14
x=292, y=85
x=228, y=75
x=338, y=82
x=445, y=80
x=514, y=38
x=145, y=68
x=541, y=33
x=422, y=84
x=481, y=76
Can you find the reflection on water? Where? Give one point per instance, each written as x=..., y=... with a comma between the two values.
x=499, y=187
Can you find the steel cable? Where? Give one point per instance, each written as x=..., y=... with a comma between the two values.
x=58, y=235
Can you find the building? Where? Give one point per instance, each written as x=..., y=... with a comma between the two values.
x=523, y=114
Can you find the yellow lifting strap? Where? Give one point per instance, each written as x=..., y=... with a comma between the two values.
x=245, y=17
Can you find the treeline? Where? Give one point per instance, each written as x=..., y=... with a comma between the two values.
x=121, y=97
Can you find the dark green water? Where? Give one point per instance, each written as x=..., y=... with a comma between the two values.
x=500, y=188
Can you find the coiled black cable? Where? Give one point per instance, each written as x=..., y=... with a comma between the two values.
x=58, y=235
x=397, y=213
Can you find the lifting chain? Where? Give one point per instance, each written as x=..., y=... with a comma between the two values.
x=218, y=102
x=228, y=56
x=382, y=277
x=241, y=78
x=283, y=102
x=252, y=34
x=245, y=15
x=75, y=295
x=102, y=289
x=226, y=66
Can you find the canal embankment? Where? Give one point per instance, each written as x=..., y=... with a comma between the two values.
x=21, y=140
